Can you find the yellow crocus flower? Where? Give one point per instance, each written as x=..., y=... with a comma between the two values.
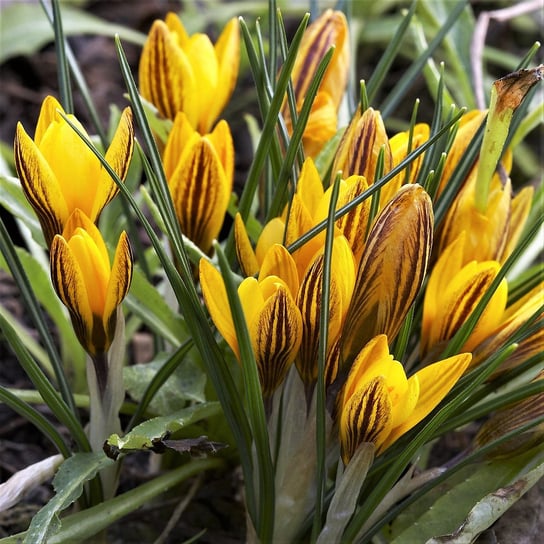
x=179, y=72
x=378, y=403
x=199, y=169
x=272, y=317
x=391, y=271
x=59, y=173
x=491, y=234
x=361, y=144
x=454, y=289
x=87, y=284
x=328, y=30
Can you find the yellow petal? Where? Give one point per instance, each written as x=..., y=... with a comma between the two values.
x=279, y=262
x=374, y=351
x=353, y=224
x=309, y=300
x=272, y=233
x=360, y=147
x=435, y=382
x=69, y=284
x=244, y=251
x=321, y=125
x=519, y=212
x=215, y=297
x=391, y=271
x=329, y=29
x=200, y=194
x=201, y=55
x=276, y=334
x=49, y=113
x=39, y=185
x=252, y=298
x=119, y=283
x=365, y=417
x=75, y=166
x=181, y=138
x=118, y=156
x=221, y=140
x=227, y=50
x=165, y=74
x=456, y=304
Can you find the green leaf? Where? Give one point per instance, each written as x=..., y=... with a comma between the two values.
x=187, y=383
x=13, y=199
x=346, y=493
x=24, y=28
x=142, y=436
x=81, y=526
x=68, y=484
x=149, y=304
x=470, y=496
x=491, y=508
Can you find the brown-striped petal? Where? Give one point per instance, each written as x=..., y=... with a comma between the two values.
x=39, y=185
x=365, y=417
x=391, y=271
x=276, y=335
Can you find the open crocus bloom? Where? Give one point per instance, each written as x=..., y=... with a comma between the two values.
x=378, y=403
x=186, y=73
x=59, y=173
x=272, y=318
x=199, y=169
x=88, y=286
x=454, y=289
x=491, y=234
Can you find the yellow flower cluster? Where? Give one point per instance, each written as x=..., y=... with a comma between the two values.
x=68, y=188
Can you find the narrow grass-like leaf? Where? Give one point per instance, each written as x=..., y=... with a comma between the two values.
x=469, y=459
x=296, y=137
x=50, y=396
x=32, y=305
x=36, y=418
x=270, y=121
x=396, y=95
x=255, y=407
x=320, y=413
x=381, y=70
x=65, y=86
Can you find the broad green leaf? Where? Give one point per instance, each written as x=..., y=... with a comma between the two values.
x=444, y=509
x=142, y=436
x=148, y=303
x=187, y=383
x=68, y=484
x=491, y=508
x=24, y=28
